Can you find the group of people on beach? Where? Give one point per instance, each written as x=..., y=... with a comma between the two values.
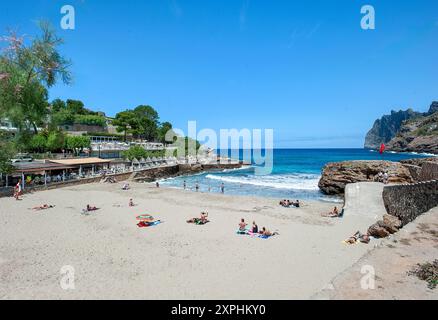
x=288, y=203
x=254, y=229
x=382, y=177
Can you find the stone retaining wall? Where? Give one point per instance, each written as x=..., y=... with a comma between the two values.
x=429, y=171
x=408, y=201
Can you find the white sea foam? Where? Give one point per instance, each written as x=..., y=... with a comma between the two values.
x=290, y=181
x=243, y=168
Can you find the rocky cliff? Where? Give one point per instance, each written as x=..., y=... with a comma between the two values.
x=406, y=131
x=419, y=134
x=387, y=127
x=336, y=175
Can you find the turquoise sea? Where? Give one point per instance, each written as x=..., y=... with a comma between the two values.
x=295, y=174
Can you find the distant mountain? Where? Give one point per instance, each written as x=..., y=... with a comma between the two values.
x=419, y=134
x=406, y=131
x=387, y=127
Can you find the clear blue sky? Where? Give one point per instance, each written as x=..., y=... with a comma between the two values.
x=304, y=68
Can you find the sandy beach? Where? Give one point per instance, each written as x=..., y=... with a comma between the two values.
x=114, y=259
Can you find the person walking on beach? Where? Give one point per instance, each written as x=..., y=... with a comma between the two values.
x=17, y=190
x=157, y=184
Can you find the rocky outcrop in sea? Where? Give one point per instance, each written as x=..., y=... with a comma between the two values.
x=336, y=175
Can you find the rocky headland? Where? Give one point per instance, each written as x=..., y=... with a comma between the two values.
x=406, y=131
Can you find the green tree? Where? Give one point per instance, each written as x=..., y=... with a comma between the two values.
x=90, y=120
x=184, y=147
x=7, y=152
x=123, y=121
x=38, y=143
x=58, y=105
x=134, y=152
x=55, y=141
x=75, y=107
x=77, y=143
x=138, y=152
x=63, y=117
x=145, y=125
x=164, y=128
x=26, y=72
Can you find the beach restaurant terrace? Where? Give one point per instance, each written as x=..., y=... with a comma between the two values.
x=85, y=166
x=37, y=173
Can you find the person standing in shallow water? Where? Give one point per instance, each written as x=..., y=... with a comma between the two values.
x=157, y=184
x=197, y=187
x=184, y=185
x=222, y=188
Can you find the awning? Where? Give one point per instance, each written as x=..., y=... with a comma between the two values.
x=81, y=161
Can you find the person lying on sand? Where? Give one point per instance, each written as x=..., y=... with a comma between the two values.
x=126, y=186
x=90, y=208
x=43, y=207
x=267, y=233
x=285, y=203
x=364, y=238
x=202, y=220
x=332, y=214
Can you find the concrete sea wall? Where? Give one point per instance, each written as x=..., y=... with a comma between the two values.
x=408, y=201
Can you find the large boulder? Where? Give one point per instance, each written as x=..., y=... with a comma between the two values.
x=336, y=175
x=383, y=228
x=391, y=223
x=377, y=231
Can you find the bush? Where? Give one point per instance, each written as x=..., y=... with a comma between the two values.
x=38, y=143
x=90, y=120
x=63, y=117
x=55, y=141
x=138, y=152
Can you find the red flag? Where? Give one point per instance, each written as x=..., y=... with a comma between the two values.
x=382, y=148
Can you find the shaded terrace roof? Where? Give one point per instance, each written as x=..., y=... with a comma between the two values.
x=81, y=161
x=28, y=167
